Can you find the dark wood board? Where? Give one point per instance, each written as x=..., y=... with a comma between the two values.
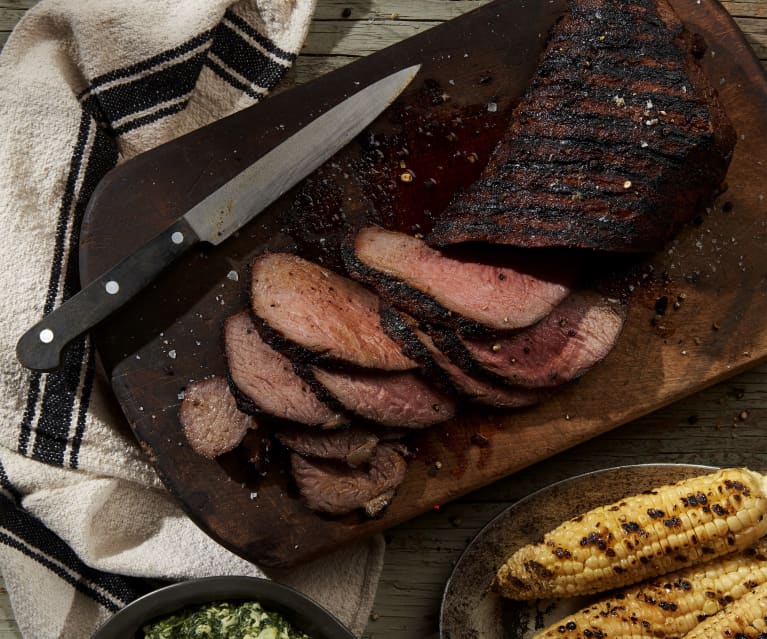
x=171, y=334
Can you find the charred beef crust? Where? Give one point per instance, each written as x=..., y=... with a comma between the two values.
x=326, y=303
x=451, y=345
x=401, y=332
x=264, y=381
x=455, y=383
x=306, y=371
x=618, y=141
x=404, y=296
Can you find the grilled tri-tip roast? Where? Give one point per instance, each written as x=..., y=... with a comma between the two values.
x=338, y=489
x=446, y=375
x=210, y=419
x=476, y=290
x=311, y=313
x=264, y=380
x=618, y=140
x=354, y=446
x=399, y=399
x=574, y=337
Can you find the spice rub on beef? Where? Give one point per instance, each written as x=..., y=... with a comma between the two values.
x=445, y=374
x=311, y=313
x=395, y=399
x=578, y=334
x=264, y=380
x=618, y=140
x=474, y=290
x=338, y=489
x=209, y=417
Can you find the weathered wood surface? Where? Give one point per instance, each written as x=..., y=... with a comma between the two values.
x=723, y=425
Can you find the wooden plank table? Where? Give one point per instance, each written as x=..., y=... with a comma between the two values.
x=723, y=425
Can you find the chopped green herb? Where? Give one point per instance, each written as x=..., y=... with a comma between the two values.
x=223, y=620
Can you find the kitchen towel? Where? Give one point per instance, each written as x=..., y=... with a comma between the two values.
x=85, y=524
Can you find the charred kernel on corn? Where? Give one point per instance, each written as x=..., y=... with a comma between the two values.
x=744, y=618
x=642, y=536
x=667, y=606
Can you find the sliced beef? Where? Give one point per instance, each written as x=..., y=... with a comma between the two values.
x=618, y=140
x=354, y=446
x=396, y=399
x=211, y=421
x=335, y=488
x=579, y=333
x=309, y=313
x=448, y=376
x=264, y=380
x=472, y=290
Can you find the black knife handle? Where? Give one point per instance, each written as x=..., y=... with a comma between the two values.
x=41, y=346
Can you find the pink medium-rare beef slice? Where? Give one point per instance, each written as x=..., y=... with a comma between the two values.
x=394, y=399
x=311, y=313
x=578, y=334
x=210, y=419
x=335, y=488
x=264, y=380
x=618, y=141
x=475, y=289
x=354, y=446
x=446, y=375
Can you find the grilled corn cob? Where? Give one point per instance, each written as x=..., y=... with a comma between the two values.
x=668, y=607
x=639, y=537
x=745, y=618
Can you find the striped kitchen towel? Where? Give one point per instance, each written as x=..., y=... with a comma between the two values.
x=85, y=524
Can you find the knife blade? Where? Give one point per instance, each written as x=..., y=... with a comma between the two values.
x=211, y=220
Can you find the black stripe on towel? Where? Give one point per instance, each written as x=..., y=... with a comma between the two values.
x=51, y=398
x=57, y=403
x=124, y=73
x=145, y=93
x=37, y=381
x=238, y=56
x=151, y=117
x=28, y=535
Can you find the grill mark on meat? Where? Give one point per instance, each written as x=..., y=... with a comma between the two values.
x=619, y=91
x=310, y=314
x=506, y=290
x=337, y=489
x=396, y=399
x=264, y=380
x=448, y=377
x=568, y=168
x=354, y=446
x=209, y=417
x=562, y=347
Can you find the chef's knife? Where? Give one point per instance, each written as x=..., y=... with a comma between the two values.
x=211, y=220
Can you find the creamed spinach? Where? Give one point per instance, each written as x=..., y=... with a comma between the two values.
x=223, y=620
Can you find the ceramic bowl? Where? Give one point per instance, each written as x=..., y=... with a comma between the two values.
x=302, y=612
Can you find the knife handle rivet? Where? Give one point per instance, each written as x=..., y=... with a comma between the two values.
x=112, y=287
x=46, y=336
x=177, y=237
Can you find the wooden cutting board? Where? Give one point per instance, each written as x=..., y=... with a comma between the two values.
x=442, y=129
